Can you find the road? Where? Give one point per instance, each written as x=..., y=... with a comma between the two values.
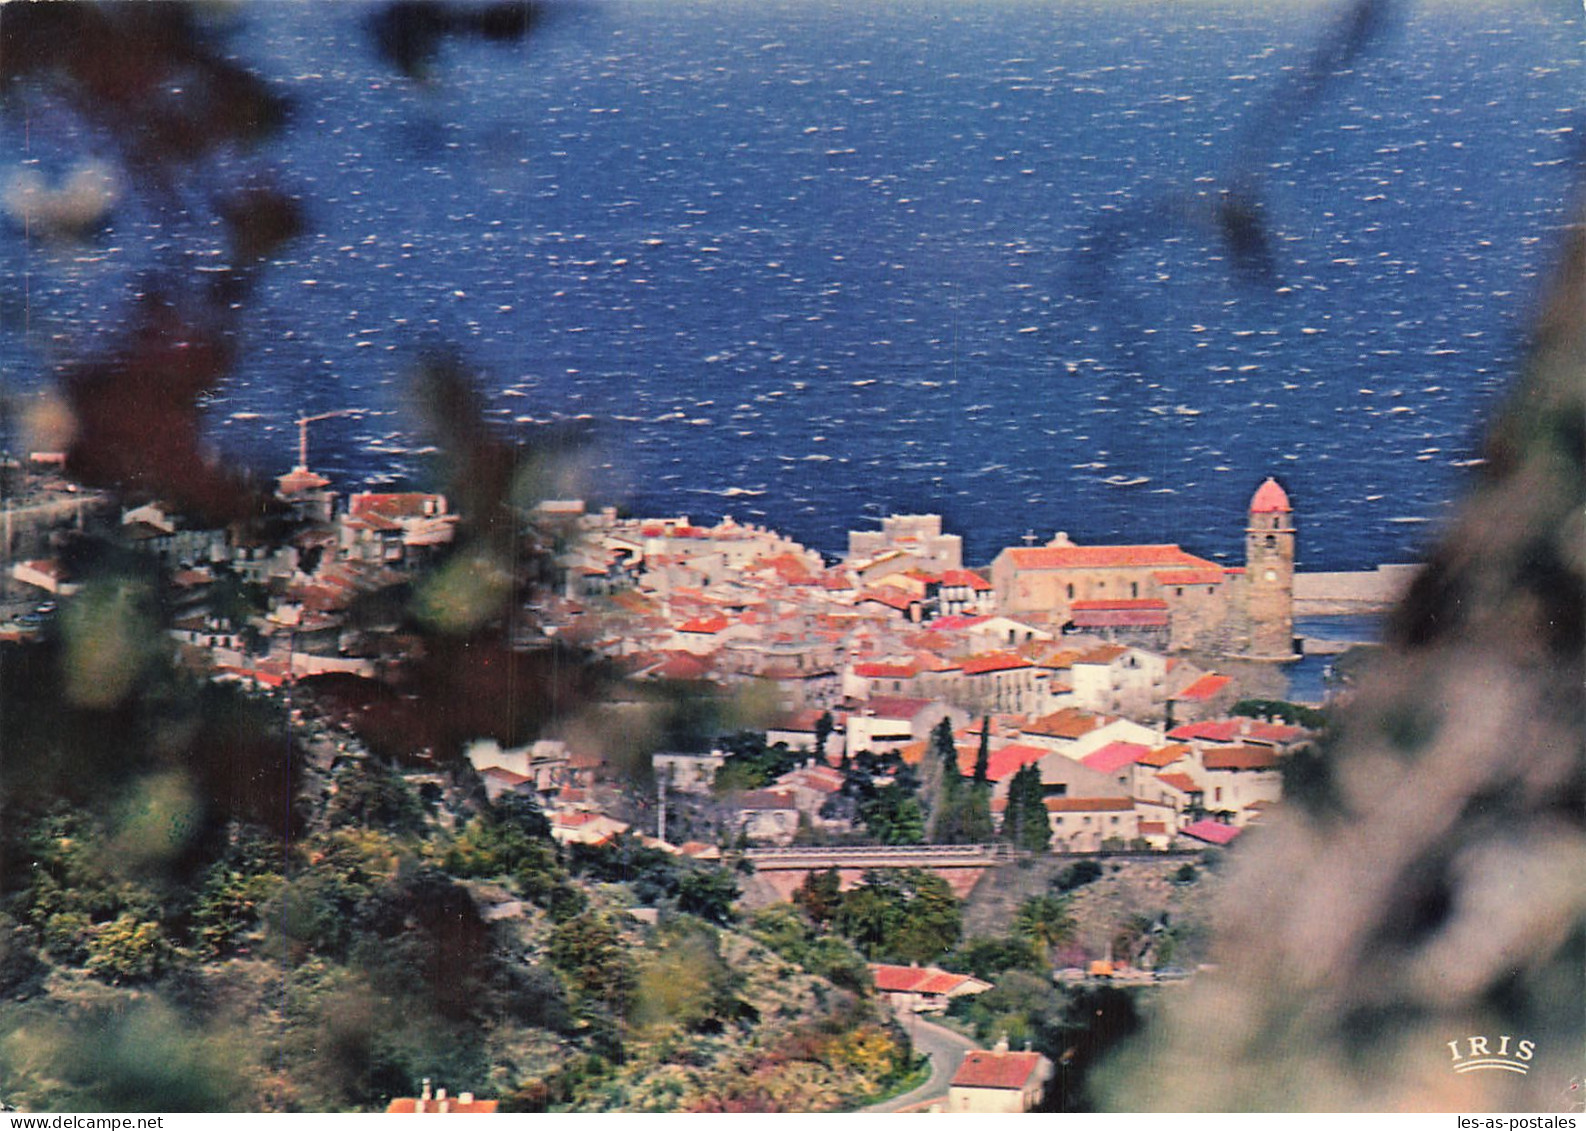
x=946, y=1050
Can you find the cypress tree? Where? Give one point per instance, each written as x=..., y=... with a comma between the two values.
x=983, y=756
x=1024, y=823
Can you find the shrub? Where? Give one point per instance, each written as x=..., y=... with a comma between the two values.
x=1077, y=874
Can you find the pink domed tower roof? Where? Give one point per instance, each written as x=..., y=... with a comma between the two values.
x=1270, y=498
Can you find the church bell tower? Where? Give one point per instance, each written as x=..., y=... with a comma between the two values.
x=1269, y=571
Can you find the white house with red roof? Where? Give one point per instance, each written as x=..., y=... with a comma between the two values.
x=888, y=723
x=1089, y=824
x=569, y=827
x=998, y=1082
x=1113, y=678
x=393, y=527
x=987, y=634
x=1237, y=777
x=769, y=816
x=1002, y=682
x=922, y=989
x=963, y=591
x=1202, y=698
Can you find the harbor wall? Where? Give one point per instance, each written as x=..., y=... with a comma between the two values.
x=1365, y=591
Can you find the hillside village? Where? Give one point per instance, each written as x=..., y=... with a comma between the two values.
x=1091, y=664
x=654, y=745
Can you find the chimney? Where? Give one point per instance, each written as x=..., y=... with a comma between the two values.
x=465, y=1098
x=426, y=1092
x=1002, y=1044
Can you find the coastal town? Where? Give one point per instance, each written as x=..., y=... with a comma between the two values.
x=895, y=713
x=1110, y=669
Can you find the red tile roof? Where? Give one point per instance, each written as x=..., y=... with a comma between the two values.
x=986, y=1069
x=989, y=662
x=1088, y=804
x=1164, y=755
x=1212, y=832
x=1279, y=733
x=957, y=623
x=1102, y=654
x=395, y=506
x=1212, y=730
x=919, y=979
x=1240, y=758
x=1114, y=756
x=1181, y=782
x=885, y=671
x=965, y=578
x=1206, y=687
x=893, y=600
x=887, y=707
x=683, y=666
x=1001, y=763
x=1189, y=577
x=800, y=721
x=940, y=982
x=1103, y=557
x=1070, y=722
x=709, y=625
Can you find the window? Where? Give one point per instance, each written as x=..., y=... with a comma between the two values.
x=1218, y=794
x=1178, y=592
x=1272, y=540
x=1274, y=522
x=1134, y=588
x=1071, y=592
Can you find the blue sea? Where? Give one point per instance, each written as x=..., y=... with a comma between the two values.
x=809, y=263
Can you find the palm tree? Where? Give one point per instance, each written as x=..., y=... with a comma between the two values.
x=1046, y=922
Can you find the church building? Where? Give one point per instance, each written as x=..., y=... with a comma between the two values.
x=1188, y=601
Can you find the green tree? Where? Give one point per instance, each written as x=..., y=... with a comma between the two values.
x=946, y=752
x=590, y=953
x=819, y=896
x=823, y=731
x=1295, y=713
x=128, y=949
x=1045, y=921
x=987, y=958
x=1024, y=822
x=708, y=893
x=893, y=816
x=906, y=915
x=983, y=755
x=978, y=827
